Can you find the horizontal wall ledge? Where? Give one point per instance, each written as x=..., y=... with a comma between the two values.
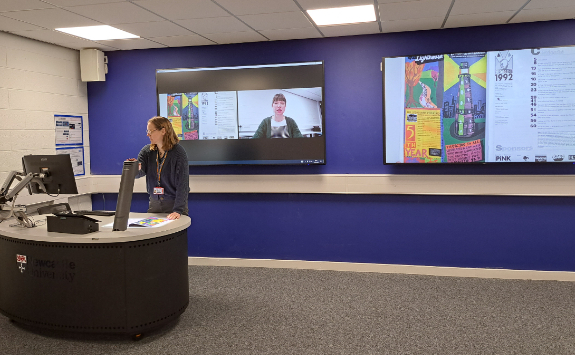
x=506, y=185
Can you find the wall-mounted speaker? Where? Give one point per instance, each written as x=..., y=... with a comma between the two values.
x=93, y=65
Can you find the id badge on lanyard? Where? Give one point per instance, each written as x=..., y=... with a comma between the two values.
x=158, y=190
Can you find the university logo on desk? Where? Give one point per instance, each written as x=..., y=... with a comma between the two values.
x=21, y=260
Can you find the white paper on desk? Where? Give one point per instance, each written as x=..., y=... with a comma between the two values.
x=134, y=220
x=149, y=222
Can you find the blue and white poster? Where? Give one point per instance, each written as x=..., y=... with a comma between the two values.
x=77, y=158
x=69, y=130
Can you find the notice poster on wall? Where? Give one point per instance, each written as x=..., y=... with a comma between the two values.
x=69, y=130
x=77, y=158
x=498, y=106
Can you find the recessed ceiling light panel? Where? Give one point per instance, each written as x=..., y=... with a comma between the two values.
x=342, y=15
x=97, y=33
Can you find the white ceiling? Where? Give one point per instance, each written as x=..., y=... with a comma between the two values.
x=177, y=23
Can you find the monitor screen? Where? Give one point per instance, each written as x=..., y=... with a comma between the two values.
x=58, y=168
x=232, y=115
x=507, y=106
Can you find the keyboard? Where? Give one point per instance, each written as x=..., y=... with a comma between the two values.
x=95, y=213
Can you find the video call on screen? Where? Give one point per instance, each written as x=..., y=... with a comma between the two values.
x=216, y=112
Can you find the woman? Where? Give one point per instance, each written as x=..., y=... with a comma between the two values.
x=278, y=125
x=165, y=164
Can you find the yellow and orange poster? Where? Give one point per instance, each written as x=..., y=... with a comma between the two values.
x=422, y=136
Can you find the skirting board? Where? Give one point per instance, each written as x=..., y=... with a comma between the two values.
x=387, y=268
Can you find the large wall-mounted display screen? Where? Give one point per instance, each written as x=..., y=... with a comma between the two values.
x=265, y=114
x=480, y=107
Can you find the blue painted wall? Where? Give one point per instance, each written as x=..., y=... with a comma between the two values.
x=474, y=231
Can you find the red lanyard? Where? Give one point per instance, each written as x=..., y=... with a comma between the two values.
x=159, y=165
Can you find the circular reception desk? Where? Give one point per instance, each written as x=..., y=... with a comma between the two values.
x=102, y=282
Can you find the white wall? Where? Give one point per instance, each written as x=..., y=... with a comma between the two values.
x=37, y=81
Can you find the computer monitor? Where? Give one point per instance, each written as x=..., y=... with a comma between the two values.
x=129, y=172
x=59, y=173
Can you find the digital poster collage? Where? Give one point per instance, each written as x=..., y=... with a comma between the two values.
x=502, y=106
x=445, y=108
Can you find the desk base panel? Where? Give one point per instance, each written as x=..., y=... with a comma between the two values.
x=128, y=288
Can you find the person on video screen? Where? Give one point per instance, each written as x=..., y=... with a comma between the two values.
x=164, y=163
x=278, y=125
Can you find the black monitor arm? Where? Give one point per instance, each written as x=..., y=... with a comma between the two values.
x=7, y=195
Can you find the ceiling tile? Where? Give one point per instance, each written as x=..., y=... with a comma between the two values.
x=540, y=4
x=183, y=41
x=413, y=10
x=410, y=25
x=183, y=9
x=480, y=19
x=292, y=33
x=10, y=25
x=236, y=37
x=461, y=7
x=51, y=18
x=257, y=6
x=277, y=20
x=556, y=13
x=113, y=13
x=65, y=3
x=127, y=44
x=214, y=25
x=154, y=29
x=350, y=30
x=326, y=4
x=18, y=5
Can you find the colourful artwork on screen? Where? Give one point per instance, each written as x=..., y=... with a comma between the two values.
x=175, y=105
x=190, y=116
x=444, y=108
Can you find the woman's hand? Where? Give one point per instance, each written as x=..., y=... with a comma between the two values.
x=174, y=215
x=139, y=165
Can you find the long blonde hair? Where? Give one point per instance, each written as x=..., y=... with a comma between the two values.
x=170, y=138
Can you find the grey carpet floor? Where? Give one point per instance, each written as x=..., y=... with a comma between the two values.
x=282, y=311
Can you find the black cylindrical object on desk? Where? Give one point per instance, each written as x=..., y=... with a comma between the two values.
x=129, y=172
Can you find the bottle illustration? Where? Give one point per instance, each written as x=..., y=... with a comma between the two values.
x=465, y=122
